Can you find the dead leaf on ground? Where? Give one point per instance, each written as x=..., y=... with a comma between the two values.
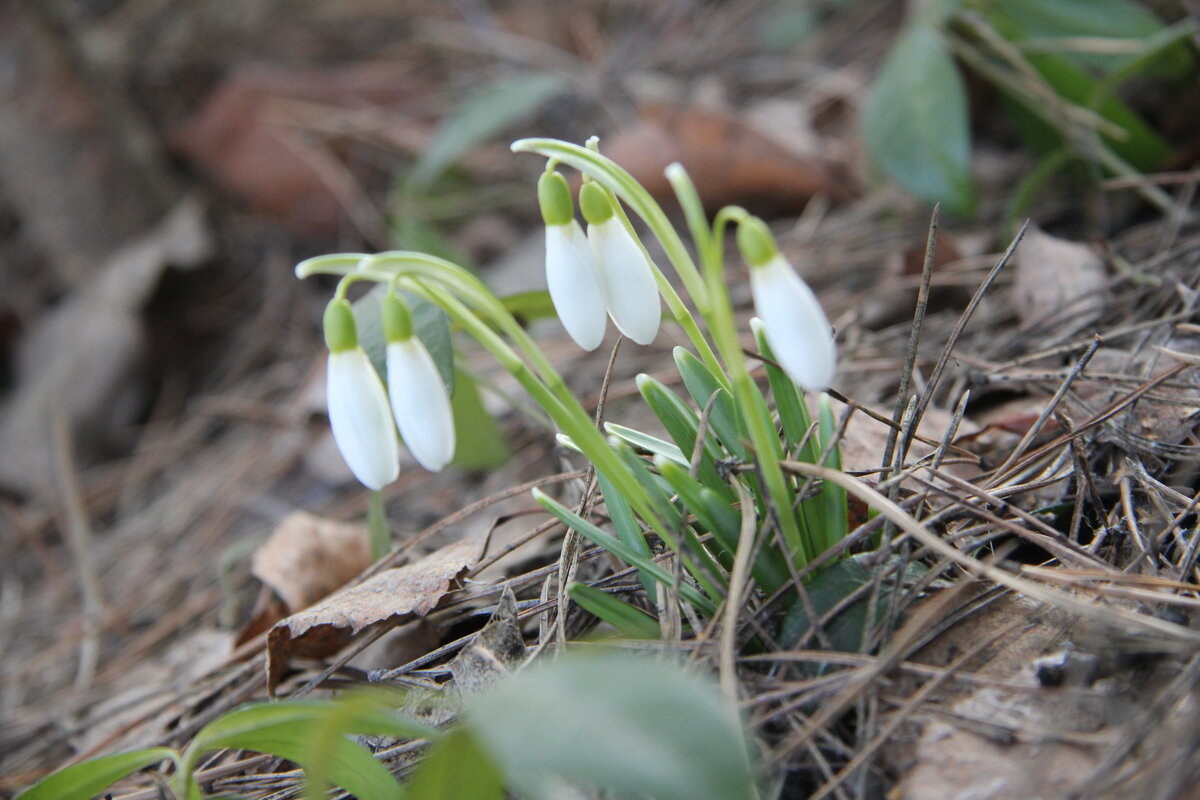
x=990, y=742
x=865, y=439
x=392, y=596
x=728, y=160
x=498, y=648
x=306, y=558
x=245, y=141
x=1057, y=284
x=81, y=359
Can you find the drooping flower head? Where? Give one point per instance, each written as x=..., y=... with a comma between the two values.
x=358, y=406
x=420, y=402
x=795, y=326
x=571, y=273
x=630, y=289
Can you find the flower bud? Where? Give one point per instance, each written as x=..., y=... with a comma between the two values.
x=792, y=319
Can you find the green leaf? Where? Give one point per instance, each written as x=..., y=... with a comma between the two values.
x=701, y=384
x=286, y=729
x=644, y=441
x=487, y=112
x=457, y=768
x=429, y=323
x=683, y=425
x=479, y=442
x=89, y=778
x=624, y=523
x=1141, y=146
x=916, y=125
x=530, y=306
x=630, y=621
x=362, y=711
x=834, y=510
x=618, y=548
x=631, y=727
x=827, y=589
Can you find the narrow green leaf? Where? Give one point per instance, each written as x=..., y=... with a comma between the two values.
x=1141, y=146
x=644, y=441
x=650, y=730
x=834, y=512
x=701, y=384
x=618, y=548
x=624, y=523
x=457, y=768
x=530, y=306
x=487, y=112
x=630, y=621
x=89, y=778
x=683, y=425
x=915, y=123
x=479, y=443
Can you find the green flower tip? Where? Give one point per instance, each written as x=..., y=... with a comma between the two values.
x=554, y=196
x=595, y=204
x=397, y=320
x=340, y=333
x=756, y=242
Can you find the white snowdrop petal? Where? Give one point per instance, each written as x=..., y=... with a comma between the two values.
x=574, y=284
x=361, y=420
x=420, y=403
x=795, y=325
x=630, y=291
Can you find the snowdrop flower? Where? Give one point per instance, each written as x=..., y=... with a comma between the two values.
x=420, y=402
x=630, y=291
x=358, y=407
x=795, y=326
x=571, y=273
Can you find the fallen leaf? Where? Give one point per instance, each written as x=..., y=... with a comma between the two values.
x=245, y=140
x=989, y=742
x=308, y=557
x=81, y=359
x=1058, y=285
x=392, y=596
x=728, y=160
x=497, y=649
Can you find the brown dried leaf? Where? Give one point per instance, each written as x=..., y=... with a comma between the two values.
x=729, y=161
x=246, y=140
x=308, y=557
x=392, y=596
x=497, y=649
x=1056, y=283
x=994, y=742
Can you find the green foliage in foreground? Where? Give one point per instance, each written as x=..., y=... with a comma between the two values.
x=614, y=723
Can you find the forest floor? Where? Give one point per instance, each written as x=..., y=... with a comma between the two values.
x=169, y=489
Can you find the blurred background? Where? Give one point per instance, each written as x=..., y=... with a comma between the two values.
x=164, y=164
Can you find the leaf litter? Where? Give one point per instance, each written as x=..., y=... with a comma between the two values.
x=1088, y=500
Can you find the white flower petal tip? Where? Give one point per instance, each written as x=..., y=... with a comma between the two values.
x=420, y=403
x=574, y=284
x=630, y=290
x=796, y=327
x=361, y=419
